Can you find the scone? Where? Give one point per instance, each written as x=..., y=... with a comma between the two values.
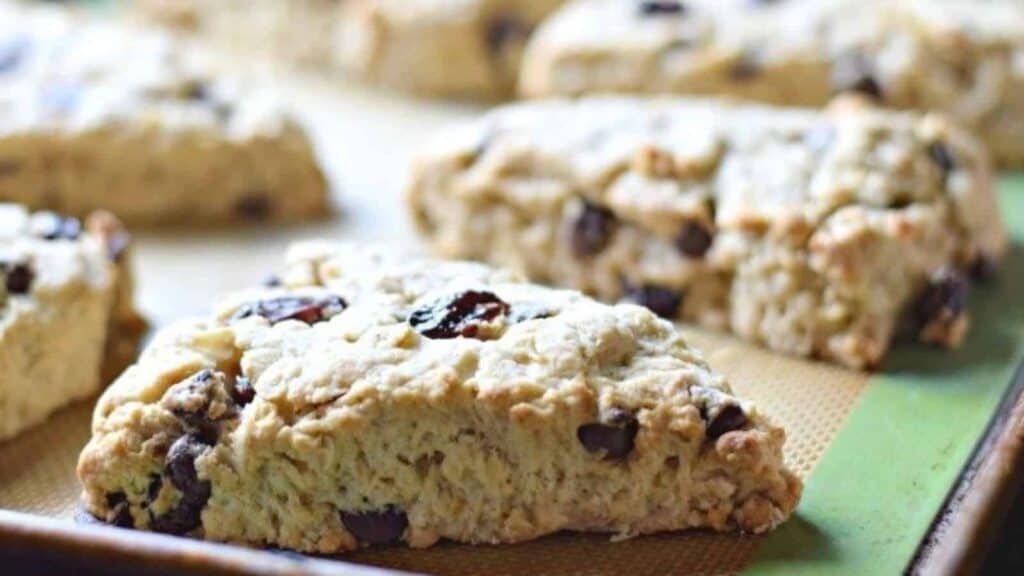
x=372, y=398
x=961, y=57
x=467, y=48
x=66, y=316
x=300, y=31
x=100, y=116
x=816, y=234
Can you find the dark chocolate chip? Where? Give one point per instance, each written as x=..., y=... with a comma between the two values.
x=56, y=227
x=242, y=392
x=746, y=68
x=728, y=419
x=457, y=315
x=592, y=230
x=614, y=438
x=946, y=293
x=984, y=268
x=197, y=90
x=156, y=483
x=272, y=281
x=306, y=309
x=694, y=239
x=18, y=278
x=253, y=207
x=180, y=469
x=378, y=527
x=855, y=74
x=662, y=301
x=504, y=30
x=121, y=511
x=661, y=7
x=943, y=158
x=190, y=402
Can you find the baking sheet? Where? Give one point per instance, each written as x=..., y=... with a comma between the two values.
x=879, y=452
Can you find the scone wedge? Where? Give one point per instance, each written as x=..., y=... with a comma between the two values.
x=100, y=115
x=959, y=57
x=373, y=398
x=67, y=324
x=821, y=234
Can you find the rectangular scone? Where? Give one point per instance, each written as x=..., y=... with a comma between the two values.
x=97, y=115
x=370, y=398
x=816, y=234
x=66, y=314
x=961, y=57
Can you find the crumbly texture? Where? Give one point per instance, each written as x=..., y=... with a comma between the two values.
x=962, y=57
x=97, y=115
x=300, y=31
x=816, y=234
x=373, y=397
x=466, y=48
x=66, y=315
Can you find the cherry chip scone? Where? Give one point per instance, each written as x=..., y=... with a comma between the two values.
x=467, y=48
x=961, y=57
x=102, y=116
x=370, y=398
x=816, y=234
x=66, y=314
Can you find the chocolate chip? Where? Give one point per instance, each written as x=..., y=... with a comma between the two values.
x=746, y=68
x=190, y=402
x=306, y=309
x=253, y=207
x=728, y=419
x=242, y=392
x=379, y=527
x=272, y=281
x=504, y=30
x=18, y=278
x=943, y=158
x=614, y=438
x=592, y=231
x=156, y=483
x=855, y=74
x=984, y=268
x=197, y=90
x=945, y=294
x=180, y=468
x=694, y=239
x=121, y=510
x=661, y=7
x=55, y=227
x=457, y=315
x=662, y=301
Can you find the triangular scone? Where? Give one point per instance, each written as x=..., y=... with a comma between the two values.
x=368, y=398
x=101, y=115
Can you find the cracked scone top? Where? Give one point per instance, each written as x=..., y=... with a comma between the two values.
x=371, y=398
x=66, y=314
x=810, y=233
x=101, y=115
